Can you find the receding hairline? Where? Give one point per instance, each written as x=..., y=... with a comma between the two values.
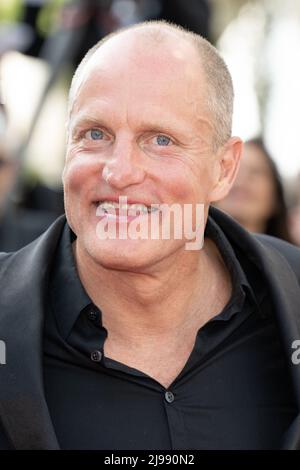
x=161, y=31
x=153, y=30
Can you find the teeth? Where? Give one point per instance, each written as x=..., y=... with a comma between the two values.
x=106, y=205
x=132, y=209
x=153, y=209
x=137, y=207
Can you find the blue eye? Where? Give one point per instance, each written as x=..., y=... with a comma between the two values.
x=163, y=140
x=96, y=134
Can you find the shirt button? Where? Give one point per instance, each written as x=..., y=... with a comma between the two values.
x=96, y=356
x=169, y=396
x=93, y=315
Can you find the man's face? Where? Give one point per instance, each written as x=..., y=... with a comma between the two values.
x=138, y=128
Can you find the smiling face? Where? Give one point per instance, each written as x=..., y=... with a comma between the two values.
x=138, y=128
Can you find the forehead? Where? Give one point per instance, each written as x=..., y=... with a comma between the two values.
x=132, y=69
x=133, y=49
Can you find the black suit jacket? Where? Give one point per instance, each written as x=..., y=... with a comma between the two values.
x=24, y=415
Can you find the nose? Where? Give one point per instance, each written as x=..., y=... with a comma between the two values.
x=124, y=167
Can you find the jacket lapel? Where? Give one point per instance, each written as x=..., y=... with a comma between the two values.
x=23, y=409
x=285, y=294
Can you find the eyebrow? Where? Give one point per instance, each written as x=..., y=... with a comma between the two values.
x=86, y=120
x=162, y=126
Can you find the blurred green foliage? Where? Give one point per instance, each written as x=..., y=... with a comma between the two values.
x=11, y=10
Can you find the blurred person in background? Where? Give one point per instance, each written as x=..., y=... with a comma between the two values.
x=256, y=199
x=18, y=226
x=294, y=219
x=294, y=214
x=7, y=167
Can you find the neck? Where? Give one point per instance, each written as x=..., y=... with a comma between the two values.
x=158, y=302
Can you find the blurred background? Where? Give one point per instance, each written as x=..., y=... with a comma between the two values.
x=42, y=41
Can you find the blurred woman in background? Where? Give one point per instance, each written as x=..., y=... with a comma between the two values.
x=294, y=212
x=256, y=199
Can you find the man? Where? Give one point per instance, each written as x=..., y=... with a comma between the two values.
x=131, y=343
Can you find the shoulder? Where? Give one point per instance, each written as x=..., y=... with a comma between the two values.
x=34, y=254
x=290, y=252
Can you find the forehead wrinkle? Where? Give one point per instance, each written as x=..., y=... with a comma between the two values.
x=146, y=117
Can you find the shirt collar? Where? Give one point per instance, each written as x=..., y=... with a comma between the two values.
x=67, y=295
x=242, y=286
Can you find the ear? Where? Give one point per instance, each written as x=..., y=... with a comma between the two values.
x=228, y=162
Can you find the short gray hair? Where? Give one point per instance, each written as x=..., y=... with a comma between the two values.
x=218, y=79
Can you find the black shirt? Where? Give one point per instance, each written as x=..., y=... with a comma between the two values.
x=234, y=392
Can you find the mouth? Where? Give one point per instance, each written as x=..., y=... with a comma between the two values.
x=123, y=209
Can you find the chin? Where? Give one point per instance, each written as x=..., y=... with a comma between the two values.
x=120, y=254
x=128, y=255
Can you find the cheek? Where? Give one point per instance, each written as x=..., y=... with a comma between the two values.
x=78, y=177
x=78, y=181
x=187, y=183
x=79, y=174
